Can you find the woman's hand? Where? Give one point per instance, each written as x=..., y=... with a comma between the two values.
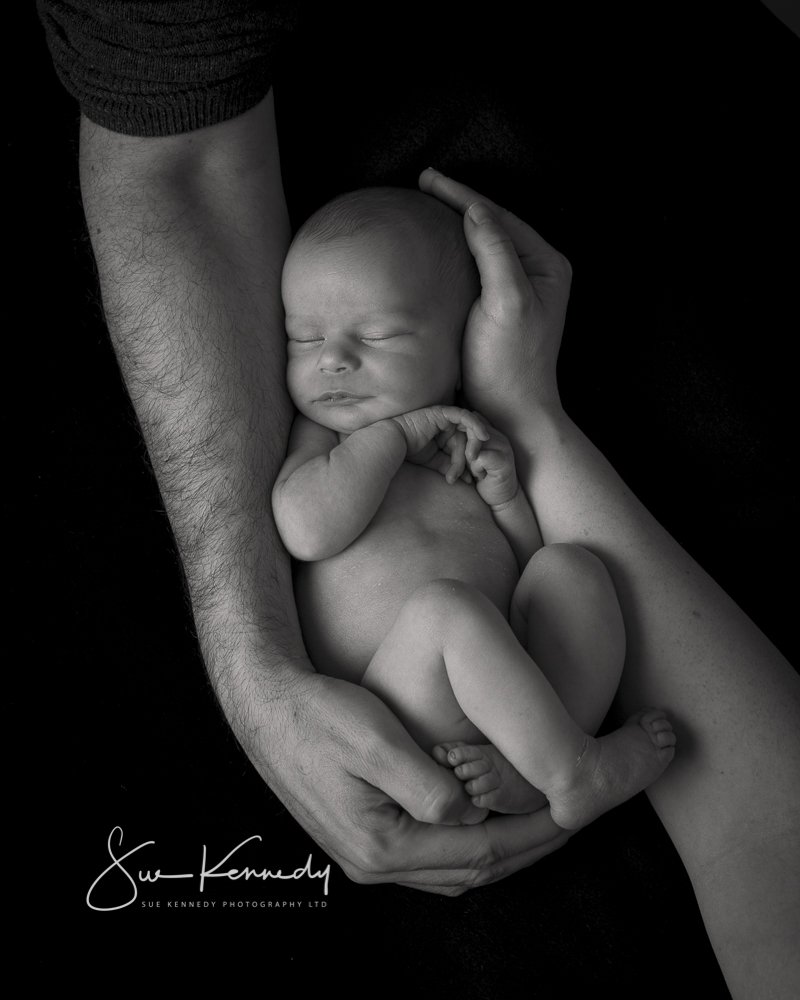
x=514, y=329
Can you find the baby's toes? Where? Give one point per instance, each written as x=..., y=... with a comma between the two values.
x=463, y=753
x=441, y=750
x=485, y=783
x=664, y=737
x=472, y=769
x=660, y=728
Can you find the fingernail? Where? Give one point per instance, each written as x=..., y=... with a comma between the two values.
x=479, y=213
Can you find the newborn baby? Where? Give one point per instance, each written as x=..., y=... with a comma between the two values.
x=420, y=569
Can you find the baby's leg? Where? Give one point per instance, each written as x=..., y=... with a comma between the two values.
x=449, y=632
x=566, y=613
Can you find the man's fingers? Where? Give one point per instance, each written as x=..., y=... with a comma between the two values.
x=428, y=792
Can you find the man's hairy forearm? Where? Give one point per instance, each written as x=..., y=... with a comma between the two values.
x=189, y=233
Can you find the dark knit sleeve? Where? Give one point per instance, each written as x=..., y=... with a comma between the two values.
x=150, y=68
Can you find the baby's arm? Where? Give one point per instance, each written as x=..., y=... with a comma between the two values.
x=327, y=492
x=492, y=466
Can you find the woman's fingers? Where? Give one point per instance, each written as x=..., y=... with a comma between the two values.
x=442, y=858
x=504, y=284
x=538, y=257
x=453, y=193
x=457, y=881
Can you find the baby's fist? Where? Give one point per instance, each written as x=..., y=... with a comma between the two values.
x=494, y=470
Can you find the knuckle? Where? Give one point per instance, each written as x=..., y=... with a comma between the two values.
x=362, y=877
x=451, y=890
x=514, y=303
x=353, y=873
x=498, y=245
x=493, y=873
x=371, y=857
x=562, y=266
x=437, y=806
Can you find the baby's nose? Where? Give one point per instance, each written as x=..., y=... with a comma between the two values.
x=337, y=359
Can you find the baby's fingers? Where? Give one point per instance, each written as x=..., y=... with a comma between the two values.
x=474, y=446
x=458, y=460
x=467, y=421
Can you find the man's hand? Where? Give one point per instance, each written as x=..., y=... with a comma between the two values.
x=350, y=774
x=442, y=438
x=513, y=332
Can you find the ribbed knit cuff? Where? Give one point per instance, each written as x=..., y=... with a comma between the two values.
x=149, y=68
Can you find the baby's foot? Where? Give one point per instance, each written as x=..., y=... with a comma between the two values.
x=489, y=779
x=613, y=769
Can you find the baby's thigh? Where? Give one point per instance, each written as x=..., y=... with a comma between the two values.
x=408, y=671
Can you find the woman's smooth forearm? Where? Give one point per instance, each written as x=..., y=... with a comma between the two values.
x=729, y=801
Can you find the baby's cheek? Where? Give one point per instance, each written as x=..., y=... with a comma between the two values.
x=296, y=383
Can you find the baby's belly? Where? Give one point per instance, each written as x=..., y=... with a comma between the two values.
x=425, y=530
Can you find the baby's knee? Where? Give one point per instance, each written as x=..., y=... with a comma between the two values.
x=571, y=566
x=566, y=557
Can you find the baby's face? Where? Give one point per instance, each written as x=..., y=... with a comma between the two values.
x=370, y=334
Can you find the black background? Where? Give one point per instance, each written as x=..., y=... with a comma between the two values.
x=653, y=148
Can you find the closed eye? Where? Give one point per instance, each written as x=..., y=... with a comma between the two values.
x=381, y=337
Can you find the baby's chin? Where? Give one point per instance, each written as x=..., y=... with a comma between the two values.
x=345, y=419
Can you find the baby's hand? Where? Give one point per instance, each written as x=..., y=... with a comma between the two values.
x=442, y=438
x=492, y=466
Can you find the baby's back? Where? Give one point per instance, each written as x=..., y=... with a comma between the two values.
x=424, y=530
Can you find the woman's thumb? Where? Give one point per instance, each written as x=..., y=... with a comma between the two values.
x=503, y=279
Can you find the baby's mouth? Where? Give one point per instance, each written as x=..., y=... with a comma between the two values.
x=339, y=396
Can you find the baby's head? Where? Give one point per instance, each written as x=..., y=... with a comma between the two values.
x=377, y=287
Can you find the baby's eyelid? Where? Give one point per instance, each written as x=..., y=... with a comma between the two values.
x=384, y=336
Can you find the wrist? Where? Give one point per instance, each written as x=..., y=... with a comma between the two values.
x=510, y=501
x=397, y=431
x=269, y=710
